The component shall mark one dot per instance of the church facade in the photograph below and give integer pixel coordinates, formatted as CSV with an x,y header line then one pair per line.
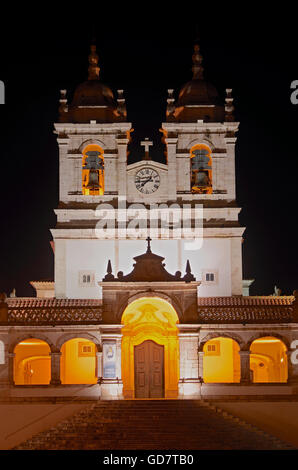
x,y
148,298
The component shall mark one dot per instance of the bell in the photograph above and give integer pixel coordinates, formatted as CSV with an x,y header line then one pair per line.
x,y
93,182
201,179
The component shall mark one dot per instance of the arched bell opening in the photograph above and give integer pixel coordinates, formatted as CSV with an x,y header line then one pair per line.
x,y
93,170
201,169
78,362
32,362
268,360
221,361
150,349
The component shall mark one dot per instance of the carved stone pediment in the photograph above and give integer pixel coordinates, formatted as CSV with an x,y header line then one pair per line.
x,y
149,267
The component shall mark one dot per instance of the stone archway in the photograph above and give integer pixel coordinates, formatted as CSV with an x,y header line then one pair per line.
x,y
32,362
268,360
221,361
150,319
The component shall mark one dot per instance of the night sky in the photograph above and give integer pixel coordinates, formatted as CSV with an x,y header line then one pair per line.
x,y
256,58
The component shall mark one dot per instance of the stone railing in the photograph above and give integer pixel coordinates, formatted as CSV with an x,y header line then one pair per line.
x,y
54,315
248,314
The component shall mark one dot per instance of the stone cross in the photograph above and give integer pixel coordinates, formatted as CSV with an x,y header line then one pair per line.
x,y
146,143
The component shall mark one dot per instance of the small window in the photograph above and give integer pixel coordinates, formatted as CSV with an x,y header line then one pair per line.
x,y
86,349
86,279
209,276
213,348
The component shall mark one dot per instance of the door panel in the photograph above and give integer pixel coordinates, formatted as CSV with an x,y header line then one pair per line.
x,y
149,370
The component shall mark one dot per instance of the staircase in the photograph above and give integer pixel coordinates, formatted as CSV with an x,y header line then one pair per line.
x,y
154,425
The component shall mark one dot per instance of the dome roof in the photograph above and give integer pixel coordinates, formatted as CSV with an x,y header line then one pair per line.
x,y
93,93
198,92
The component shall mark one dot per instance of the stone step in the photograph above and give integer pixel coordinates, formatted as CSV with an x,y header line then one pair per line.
x,y
152,424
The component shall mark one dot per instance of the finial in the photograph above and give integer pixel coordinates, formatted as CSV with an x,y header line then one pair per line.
x,y
188,277
109,276
13,293
197,60
229,108
148,239
121,108
93,70
63,108
170,101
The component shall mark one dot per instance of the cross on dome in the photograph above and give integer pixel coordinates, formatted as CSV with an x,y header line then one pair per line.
x,y
146,143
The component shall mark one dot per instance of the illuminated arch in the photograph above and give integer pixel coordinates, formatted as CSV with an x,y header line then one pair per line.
x,y
32,362
221,360
201,169
150,318
93,170
268,360
78,362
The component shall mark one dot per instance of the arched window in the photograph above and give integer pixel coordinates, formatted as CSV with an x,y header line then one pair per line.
x,y
221,361
78,362
201,169
268,360
93,171
32,362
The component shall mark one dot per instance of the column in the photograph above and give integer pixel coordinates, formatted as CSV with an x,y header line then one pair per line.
x,y
99,366
201,364
189,384
245,367
55,368
10,377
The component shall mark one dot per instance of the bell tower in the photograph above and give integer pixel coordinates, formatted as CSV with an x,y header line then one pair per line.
x,y
92,135
200,134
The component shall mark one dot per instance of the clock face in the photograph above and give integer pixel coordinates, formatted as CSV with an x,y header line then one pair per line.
x,y
147,180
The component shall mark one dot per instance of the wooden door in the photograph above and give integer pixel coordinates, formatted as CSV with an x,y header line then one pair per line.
x,y
149,370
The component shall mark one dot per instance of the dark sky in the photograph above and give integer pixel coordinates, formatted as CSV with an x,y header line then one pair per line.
x,y
255,56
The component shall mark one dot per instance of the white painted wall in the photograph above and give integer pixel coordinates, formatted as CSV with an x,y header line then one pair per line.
x,y
93,255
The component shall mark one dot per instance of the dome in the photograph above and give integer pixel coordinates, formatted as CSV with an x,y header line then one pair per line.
x,y
93,93
198,92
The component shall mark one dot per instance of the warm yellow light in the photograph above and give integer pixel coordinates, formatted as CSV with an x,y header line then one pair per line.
x,y
221,361
271,352
77,366
85,173
150,318
32,362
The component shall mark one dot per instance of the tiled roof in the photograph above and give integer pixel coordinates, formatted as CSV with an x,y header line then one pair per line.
x,y
259,309
246,301
35,302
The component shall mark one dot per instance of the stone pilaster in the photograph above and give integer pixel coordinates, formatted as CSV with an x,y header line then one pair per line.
x,y
122,163
245,367
10,377
189,383
172,168
99,366
55,368
201,364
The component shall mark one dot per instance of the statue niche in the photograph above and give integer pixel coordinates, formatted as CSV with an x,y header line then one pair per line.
x,y
201,170
93,173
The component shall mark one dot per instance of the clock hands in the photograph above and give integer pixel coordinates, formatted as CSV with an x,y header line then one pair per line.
x,y
142,182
